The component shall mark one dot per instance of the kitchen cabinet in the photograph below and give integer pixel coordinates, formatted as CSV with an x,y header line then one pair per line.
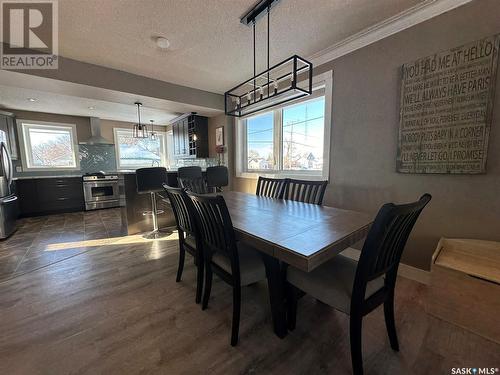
x,y
190,136
41,196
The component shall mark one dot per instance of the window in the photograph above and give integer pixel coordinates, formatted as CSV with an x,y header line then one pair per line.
x,y
133,153
292,140
48,146
303,135
260,132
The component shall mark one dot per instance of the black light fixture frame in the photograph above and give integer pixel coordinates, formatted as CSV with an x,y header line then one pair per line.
x,y
305,72
140,130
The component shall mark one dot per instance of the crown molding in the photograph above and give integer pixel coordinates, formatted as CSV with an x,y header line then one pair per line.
x,y
390,26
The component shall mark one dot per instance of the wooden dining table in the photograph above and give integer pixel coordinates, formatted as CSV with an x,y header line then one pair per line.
x,y
289,233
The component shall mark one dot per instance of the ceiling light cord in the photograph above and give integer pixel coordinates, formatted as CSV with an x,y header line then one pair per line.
x,y
254,63
268,38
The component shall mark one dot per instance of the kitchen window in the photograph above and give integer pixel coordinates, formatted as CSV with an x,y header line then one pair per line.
x,y
288,141
48,146
133,153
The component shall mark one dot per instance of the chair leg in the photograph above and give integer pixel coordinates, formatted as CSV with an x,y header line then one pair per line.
x,y
291,302
356,348
390,323
199,278
182,254
236,314
208,284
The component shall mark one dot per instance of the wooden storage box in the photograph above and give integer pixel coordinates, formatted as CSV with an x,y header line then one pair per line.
x,y
465,285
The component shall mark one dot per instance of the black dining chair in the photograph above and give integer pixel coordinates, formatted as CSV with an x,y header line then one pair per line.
x,y
217,177
305,191
357,288
235,263
196,185
271,187
189,235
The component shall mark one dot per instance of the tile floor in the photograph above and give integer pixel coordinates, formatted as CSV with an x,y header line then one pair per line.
x,y
40,241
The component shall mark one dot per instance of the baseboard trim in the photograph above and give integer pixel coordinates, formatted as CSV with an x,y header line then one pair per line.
x,y
416,274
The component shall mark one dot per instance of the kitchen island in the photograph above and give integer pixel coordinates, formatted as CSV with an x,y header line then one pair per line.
x,y
136,208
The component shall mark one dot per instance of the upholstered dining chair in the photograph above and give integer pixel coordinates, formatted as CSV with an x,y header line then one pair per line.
x,y
235,263
271,187
189,236
305,191
357,288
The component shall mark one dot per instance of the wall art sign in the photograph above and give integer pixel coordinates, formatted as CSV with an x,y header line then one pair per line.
x,y
219,136
446,110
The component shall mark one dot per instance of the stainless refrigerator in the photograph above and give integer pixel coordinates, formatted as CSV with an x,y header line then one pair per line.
x,y
8,200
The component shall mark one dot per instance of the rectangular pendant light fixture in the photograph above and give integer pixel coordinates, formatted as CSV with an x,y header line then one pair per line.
x,y
288,80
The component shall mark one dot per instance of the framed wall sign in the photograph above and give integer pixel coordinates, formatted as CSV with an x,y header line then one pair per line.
x,y
446,110
219,136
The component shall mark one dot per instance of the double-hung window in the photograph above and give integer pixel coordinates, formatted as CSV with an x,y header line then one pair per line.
x,y
292,140
48,146
133,153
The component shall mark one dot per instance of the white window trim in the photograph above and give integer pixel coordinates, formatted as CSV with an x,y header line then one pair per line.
x,y
24,143
133,167
320,80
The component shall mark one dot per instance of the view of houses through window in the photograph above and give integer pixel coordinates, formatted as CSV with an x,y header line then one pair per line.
x,y
49,146
300,131
138,152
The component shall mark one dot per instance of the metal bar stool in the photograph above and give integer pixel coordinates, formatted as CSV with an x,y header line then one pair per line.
x,y
150,181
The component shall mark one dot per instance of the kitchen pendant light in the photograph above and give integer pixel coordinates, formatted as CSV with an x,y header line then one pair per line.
x,y
288,80
154,136
140,130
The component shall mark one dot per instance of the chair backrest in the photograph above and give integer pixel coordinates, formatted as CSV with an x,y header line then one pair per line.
x,y
305,191
216,227
271,187
183,208
386,241
150,179
217,176
189,172
195,185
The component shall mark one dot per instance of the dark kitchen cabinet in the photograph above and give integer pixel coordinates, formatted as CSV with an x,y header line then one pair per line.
x,y
190,136
42,196
7,132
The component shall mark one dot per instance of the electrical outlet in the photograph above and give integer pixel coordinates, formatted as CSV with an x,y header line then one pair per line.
x,y
19,168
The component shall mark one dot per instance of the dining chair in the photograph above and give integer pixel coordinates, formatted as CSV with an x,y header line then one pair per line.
x,y
271,187
357,288
196,184
305,191
235,263
189,236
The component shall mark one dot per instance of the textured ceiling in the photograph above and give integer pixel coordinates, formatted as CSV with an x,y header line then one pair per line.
x,y
210,49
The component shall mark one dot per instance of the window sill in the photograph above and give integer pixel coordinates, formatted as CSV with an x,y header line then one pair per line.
x,y
282,174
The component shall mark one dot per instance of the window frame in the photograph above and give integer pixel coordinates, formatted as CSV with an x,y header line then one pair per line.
x,y
25,144
320,81
163,146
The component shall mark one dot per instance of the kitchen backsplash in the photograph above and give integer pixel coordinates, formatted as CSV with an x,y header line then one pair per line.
x,y
95,158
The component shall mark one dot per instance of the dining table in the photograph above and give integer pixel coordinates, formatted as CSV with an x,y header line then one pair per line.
x,y
290,233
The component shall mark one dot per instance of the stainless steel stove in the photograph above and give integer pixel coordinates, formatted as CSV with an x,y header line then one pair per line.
x,y
101,190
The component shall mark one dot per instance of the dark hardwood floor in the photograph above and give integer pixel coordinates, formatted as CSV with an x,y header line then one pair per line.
x,y
113,307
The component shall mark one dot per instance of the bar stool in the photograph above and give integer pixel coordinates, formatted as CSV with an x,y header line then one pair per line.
x,y
189,172
217,177
150,181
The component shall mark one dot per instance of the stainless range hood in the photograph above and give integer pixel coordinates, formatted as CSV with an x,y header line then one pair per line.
x,y
95,131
